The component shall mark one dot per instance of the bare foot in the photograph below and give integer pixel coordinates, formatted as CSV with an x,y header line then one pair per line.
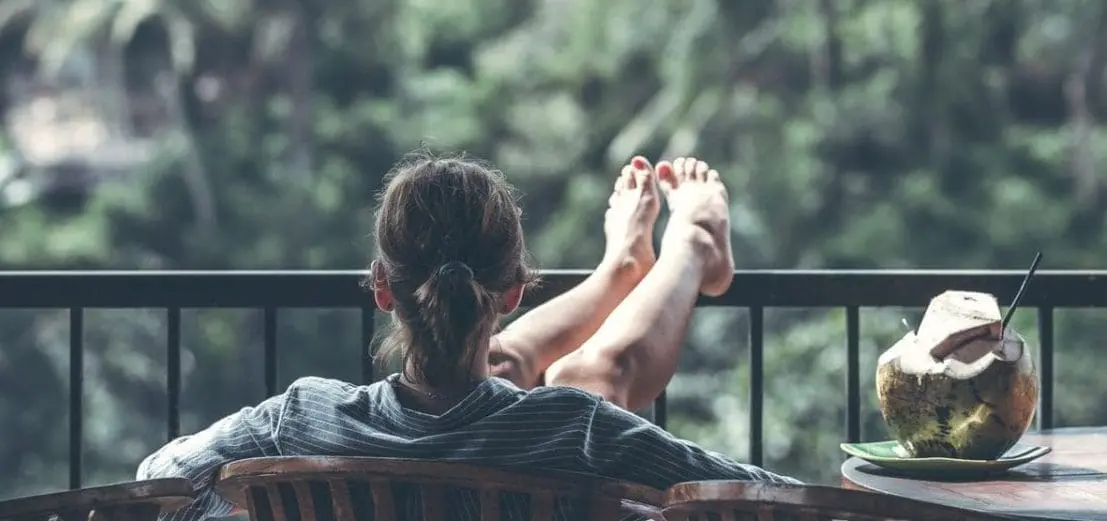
x,y
701,213
628,223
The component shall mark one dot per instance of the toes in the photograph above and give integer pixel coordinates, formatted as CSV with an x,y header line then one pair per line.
x,y
626,179
678,168
694,169
642,180
714,177
667,177
701,171
689,167
643,174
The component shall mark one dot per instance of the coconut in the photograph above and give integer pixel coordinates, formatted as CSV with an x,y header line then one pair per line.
x,y
959,386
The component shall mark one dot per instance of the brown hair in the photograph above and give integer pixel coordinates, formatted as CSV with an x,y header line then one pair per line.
x,y
450,242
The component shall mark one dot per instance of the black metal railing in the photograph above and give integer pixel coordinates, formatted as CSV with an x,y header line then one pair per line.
x,y
271,291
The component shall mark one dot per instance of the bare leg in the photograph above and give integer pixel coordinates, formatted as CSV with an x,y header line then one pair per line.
x,y
523,351
633,355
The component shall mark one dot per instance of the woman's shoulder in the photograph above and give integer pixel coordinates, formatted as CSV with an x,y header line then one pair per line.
x,y
324,385
562,394
319,390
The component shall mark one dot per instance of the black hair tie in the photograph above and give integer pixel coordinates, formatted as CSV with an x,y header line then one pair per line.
x,y
456,269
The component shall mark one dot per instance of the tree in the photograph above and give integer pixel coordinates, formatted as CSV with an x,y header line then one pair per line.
x,y
860,134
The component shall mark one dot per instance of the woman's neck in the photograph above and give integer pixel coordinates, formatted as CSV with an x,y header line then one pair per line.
x,y
414,393
478,372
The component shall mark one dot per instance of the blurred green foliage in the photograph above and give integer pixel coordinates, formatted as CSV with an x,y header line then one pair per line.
x,y
852,134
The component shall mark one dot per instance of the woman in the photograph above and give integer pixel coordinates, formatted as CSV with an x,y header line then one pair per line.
x,y
451,262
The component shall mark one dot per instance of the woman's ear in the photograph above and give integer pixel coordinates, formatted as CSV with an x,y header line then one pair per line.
x,y
382,294
512,299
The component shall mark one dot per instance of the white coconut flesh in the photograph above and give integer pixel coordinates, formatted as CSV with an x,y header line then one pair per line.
x,y
912,356
958,337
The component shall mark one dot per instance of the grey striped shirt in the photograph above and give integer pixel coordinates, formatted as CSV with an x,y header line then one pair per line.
x,y
498,424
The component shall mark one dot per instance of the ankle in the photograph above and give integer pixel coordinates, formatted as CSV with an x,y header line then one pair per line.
x,y
622,270
689,237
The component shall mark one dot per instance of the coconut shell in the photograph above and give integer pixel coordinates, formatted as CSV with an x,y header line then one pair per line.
x,y
973,403
937,415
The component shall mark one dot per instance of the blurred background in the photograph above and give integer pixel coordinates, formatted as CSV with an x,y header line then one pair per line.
x,y
248,134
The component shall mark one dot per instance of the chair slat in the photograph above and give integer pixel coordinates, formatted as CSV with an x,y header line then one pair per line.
x,y
276,505
490,505
340,499
107,513
434,502
75,514
542,506
251,505
384,504
812,514
304,500
125,512
600,509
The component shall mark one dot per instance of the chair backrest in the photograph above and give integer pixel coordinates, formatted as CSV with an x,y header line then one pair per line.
x,y
135,501
737,501
327,488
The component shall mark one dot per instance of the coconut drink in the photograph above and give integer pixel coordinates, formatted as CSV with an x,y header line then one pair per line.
x,y
960,386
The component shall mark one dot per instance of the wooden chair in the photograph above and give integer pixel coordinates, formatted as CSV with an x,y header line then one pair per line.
x,y
740,501
136,501
384,489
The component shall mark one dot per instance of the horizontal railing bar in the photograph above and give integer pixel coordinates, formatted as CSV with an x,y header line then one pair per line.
x,y
341,289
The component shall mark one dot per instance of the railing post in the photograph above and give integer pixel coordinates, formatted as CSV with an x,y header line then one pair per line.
x,y
661,410
1045,367
76,395
270,340
173,371
367,331
757,385
853,374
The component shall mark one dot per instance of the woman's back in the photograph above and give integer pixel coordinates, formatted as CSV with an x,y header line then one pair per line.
x,y
497,424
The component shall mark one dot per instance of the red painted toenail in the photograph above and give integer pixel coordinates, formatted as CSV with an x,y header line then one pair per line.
x,y
639,163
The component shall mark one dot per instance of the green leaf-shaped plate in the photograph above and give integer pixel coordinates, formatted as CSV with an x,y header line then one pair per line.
x,y
890,455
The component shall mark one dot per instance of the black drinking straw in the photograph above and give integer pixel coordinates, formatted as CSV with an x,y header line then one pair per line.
x,y
1022,289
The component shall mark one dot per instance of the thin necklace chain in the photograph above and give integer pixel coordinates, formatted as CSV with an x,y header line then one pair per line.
x,y
402,380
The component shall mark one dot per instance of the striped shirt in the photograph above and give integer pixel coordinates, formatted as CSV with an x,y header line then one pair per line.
x,y
497,424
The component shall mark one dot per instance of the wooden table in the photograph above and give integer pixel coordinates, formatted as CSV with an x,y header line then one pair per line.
x,y
1067,484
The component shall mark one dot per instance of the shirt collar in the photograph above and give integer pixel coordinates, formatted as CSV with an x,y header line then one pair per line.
x,y
488,397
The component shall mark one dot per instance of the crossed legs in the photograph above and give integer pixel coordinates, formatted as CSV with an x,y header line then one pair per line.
x,y
619,333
